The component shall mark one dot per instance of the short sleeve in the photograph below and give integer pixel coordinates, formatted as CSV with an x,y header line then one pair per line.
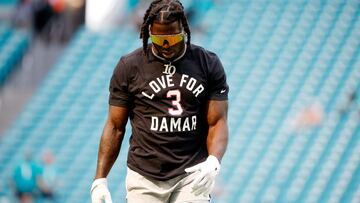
x,y
218,87
118,88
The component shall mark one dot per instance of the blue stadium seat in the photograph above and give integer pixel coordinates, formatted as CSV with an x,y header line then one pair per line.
x,y
13,44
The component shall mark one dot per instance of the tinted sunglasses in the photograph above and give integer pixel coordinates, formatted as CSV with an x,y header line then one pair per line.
x,y
171,40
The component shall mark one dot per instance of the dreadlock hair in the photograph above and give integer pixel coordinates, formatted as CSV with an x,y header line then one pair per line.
x,y
163,11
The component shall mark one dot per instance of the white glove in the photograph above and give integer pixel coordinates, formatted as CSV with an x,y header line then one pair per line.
x,y
205,179
100,192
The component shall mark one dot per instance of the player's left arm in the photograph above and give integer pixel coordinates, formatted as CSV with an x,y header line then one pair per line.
x,y
216,142
217,138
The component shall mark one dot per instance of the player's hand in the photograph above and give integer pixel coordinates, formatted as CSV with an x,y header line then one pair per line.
x,y
100,192
206,174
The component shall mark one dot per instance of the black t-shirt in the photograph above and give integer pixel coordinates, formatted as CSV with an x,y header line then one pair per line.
x,y
167,105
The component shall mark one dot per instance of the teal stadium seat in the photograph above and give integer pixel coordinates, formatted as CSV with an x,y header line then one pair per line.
x,y
8,2
13,44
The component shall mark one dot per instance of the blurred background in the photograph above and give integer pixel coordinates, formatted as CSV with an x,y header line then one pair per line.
x,y
294,73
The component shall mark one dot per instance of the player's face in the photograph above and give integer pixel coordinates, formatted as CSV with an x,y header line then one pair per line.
x,y
168,39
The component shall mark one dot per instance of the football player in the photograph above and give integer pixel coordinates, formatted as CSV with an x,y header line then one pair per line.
x,y
175,96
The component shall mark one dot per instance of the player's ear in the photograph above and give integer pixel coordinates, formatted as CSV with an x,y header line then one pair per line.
x,y
185,36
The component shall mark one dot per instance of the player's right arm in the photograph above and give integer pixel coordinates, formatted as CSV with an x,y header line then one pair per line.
x,y
109,149
111,140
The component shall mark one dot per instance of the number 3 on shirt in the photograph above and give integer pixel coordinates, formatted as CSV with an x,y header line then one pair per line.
x,y
178,110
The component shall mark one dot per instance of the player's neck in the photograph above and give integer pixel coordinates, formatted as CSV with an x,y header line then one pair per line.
x,y
168,60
